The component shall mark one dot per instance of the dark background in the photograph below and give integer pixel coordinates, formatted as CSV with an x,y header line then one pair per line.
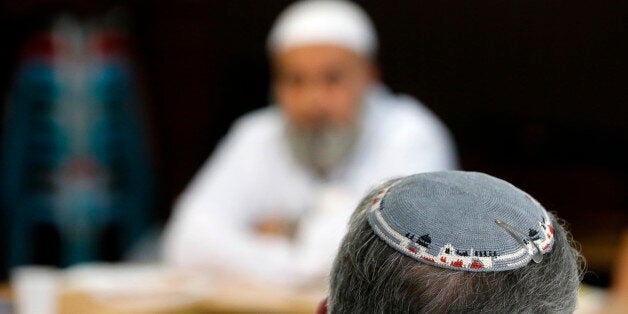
x,y
533,91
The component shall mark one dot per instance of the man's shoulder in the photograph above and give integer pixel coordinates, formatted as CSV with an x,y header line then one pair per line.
x,y
263,122
406,112
254,132
268,116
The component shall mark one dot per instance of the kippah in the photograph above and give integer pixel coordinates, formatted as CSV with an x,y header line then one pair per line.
x,y
462,220
339,23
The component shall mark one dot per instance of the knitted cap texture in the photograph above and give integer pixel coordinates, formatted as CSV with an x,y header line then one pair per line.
x,y
461,220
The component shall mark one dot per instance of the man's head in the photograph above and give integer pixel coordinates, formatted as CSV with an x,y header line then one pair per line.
x,y
453,242
322,57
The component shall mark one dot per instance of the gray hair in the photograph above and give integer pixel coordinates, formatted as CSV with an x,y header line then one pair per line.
x,y
368,276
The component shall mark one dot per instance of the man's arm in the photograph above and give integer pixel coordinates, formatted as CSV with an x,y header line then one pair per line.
x,y
211,227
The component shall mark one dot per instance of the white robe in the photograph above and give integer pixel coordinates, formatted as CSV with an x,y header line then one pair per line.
x,y
253,174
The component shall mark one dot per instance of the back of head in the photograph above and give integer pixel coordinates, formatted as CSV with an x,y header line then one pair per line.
x,y
453,242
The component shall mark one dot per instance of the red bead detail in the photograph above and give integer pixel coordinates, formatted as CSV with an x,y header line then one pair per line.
x,y
412,249
427,259
457,263
477,264
443,259
551,229
545,247
375,200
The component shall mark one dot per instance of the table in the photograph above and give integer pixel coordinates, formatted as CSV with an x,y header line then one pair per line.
x,y
152,289
228,300
233,299
5,291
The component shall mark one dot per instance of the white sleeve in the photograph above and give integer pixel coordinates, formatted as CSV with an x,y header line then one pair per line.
x,y
209,227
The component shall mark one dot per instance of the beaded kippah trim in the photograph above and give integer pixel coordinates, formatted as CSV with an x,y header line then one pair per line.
x,y
492,239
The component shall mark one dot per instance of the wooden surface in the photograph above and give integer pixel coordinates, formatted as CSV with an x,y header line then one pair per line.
x,y
237,300
225,299
71,302
234,299
229,300
5,291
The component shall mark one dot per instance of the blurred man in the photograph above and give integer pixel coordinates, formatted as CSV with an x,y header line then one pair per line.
x,y
275,197
453,242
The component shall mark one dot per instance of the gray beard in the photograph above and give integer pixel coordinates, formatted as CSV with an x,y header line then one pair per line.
x,y
323,149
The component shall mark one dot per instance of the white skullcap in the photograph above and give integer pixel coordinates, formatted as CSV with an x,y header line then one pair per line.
x,y
339,23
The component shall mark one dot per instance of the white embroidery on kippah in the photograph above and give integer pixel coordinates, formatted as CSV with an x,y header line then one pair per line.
x,y
448,256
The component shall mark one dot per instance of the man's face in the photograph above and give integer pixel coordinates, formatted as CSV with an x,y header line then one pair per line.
x,y
321,86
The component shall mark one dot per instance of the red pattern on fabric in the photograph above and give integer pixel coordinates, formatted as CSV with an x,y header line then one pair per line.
x,y
110,43
42,45
477,264
427,259
457,263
